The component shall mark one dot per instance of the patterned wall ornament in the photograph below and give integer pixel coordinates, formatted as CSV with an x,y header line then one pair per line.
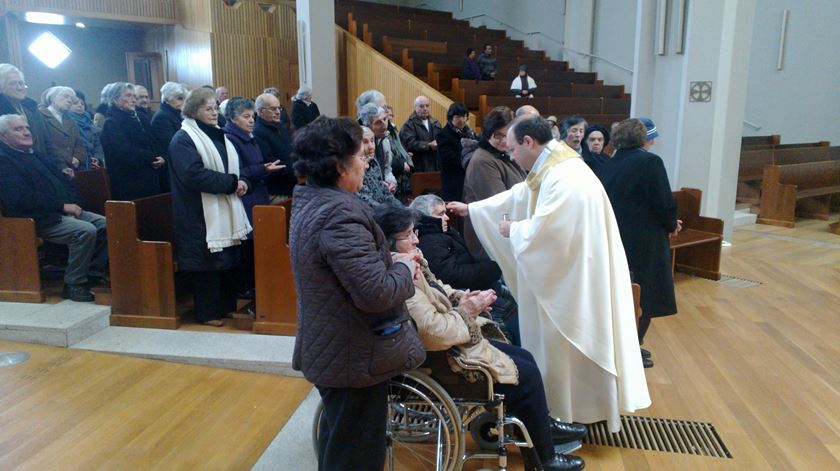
x,y
700,91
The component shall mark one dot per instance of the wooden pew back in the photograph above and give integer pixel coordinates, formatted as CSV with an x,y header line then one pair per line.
x,y
696,249
772,139
276,300
425,182
95,189
20,278
799,155
811,175
751,167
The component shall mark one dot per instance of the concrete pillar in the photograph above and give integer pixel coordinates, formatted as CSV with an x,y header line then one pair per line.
x,y
699,141
316,52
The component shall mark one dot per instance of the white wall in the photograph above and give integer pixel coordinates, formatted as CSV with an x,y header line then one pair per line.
x,y
801,102
613,34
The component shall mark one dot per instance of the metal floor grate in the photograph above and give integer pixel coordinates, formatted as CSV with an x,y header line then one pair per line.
x,y
735,282
654,434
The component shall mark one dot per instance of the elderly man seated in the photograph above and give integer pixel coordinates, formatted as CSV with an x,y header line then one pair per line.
x,y
449,258
31,187
449,318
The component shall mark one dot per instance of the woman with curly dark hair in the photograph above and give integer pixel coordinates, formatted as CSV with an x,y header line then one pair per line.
x,y
353,329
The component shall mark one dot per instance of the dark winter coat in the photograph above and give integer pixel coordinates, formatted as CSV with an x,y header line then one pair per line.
x,y
32,187
165,123
594,161
347,289
130,147
416,138
452,173
450,259
303,114
471,70
646,212
65,137
275,144
41,143
189,179
251,166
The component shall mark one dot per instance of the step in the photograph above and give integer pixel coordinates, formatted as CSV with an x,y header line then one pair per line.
x,y
292,448
60,325
271,354
743,217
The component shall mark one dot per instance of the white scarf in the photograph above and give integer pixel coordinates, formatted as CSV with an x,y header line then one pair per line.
x,y
224,215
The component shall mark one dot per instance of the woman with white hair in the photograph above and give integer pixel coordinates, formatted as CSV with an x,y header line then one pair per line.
x,y
304,110
167,120
61,128
13,100
135,159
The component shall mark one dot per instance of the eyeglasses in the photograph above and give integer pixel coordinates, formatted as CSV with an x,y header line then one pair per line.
x,y
415,234
17,84
498,136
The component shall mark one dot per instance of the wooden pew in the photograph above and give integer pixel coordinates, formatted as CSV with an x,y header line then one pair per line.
x,y
440,76
559,106
95,189
276,301
20,280
425,182
772,139
750,173
804,189
140,237
696,249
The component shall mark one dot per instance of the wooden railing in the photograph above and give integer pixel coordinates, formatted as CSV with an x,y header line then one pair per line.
x,y
362,67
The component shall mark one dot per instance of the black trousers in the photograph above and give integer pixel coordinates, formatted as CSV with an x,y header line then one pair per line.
x,y
526,400
214,294
352,428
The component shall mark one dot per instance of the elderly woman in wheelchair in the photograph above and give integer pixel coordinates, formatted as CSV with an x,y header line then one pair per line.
x,y
451,319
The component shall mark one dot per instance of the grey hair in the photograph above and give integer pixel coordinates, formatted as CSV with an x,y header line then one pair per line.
x,y
6,122
173,90
105,93
369,96
236,105
138,85
426,203
303,92
272,91
369,112
6,70
115,92
52,92
366,130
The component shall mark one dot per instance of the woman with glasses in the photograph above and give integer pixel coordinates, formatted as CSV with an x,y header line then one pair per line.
x,y
374,188
13,100
450,145
491,170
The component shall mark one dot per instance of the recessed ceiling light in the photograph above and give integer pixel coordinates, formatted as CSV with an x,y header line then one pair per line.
x,y
43,18
79,24
49,50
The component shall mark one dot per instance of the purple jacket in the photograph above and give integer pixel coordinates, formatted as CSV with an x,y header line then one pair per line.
x,y
250,166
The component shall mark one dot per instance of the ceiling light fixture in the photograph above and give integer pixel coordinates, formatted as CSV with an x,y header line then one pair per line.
x,y
49,50
43,18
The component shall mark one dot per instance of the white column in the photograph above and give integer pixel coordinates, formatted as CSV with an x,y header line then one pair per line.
x,y
578,23
699,141
316,52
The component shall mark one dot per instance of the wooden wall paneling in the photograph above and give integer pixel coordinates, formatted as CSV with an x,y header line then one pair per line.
x,y
186,54
145,11
366,68
195,14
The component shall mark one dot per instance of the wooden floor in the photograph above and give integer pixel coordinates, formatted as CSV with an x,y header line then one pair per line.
x,y
760,363
76,410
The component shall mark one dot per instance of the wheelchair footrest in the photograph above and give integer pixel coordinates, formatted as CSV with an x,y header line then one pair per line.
x,y
566,448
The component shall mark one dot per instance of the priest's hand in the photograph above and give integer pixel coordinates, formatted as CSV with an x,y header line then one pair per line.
x,y
456,207
504,228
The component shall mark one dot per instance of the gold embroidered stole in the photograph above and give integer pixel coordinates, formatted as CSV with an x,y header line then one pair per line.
x,y
560,154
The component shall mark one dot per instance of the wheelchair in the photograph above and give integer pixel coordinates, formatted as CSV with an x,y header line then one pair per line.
x,y
432,409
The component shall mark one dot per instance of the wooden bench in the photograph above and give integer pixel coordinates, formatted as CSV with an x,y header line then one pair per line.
x,y
804,189
696,249
95,189
559,106
276,301
140,238
425,182
20,280
752,163
772,139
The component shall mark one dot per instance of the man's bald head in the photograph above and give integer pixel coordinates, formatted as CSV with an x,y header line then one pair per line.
x,y
268,108
422,107
527,110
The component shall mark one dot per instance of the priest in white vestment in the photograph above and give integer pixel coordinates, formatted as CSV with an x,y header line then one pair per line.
x,y
557,242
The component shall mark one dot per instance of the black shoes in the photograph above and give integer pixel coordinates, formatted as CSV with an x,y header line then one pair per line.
x,y
645,353
561,432
646,361
564,463
78,293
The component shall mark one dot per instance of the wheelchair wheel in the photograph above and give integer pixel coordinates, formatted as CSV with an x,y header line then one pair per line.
x,y
316,425
483,431
424,426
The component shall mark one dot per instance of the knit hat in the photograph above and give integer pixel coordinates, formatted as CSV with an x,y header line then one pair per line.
x,y
597,127
651,129
553,119
523,67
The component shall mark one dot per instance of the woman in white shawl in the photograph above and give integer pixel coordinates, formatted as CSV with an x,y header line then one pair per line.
x,y
210,220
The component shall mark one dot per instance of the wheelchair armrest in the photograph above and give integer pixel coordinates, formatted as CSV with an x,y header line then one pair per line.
x,y
488,377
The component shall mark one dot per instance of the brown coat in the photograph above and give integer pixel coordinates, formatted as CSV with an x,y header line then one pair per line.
x,y
443,325
65,137
489,173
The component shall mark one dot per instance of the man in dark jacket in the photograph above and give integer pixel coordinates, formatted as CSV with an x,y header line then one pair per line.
x,y
275,144
135,159
13,100
418,136
452,170
33,188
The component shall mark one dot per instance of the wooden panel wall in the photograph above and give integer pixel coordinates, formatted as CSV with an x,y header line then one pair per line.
x,y
146,11
186,53
254,49
195,14
366,68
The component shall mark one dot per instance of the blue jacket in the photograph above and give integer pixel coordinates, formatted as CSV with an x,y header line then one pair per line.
x,y
251,166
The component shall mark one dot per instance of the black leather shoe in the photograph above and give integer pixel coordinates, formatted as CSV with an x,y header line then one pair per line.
x,y
645,353
561,432
647,362
77,293
564,463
